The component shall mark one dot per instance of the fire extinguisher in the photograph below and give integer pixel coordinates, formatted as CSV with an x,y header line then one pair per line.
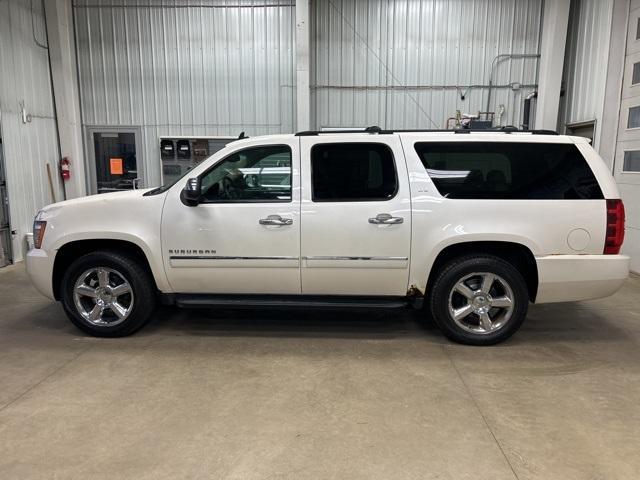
x,y
64,169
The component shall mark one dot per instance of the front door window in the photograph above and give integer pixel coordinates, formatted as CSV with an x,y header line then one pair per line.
x,y
257,174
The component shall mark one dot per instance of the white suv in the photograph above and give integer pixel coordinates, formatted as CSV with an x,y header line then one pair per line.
x,y
471,226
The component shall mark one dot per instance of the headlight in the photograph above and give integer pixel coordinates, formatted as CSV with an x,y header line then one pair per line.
x,y
38,232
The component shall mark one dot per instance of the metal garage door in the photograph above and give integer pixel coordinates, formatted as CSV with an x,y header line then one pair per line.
x,y
627,161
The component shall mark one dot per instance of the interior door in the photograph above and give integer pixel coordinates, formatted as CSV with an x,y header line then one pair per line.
x,y
355,216
244,237
116,162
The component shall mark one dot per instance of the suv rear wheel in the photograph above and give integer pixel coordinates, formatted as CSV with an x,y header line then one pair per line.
x,y
108,294
479,300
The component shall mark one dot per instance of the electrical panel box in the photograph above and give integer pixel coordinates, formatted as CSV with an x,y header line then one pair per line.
x,y
180,154
184,149
167,149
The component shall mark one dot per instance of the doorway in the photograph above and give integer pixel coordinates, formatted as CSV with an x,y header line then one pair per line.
x,y
5,228
115,159
582,129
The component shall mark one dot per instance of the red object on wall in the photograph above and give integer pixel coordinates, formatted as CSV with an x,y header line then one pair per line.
x,y
64,169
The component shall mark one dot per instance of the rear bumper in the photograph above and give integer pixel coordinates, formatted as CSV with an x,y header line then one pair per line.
x,y
567,278
40,270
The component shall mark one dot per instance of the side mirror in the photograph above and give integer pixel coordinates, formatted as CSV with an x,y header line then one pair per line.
x,y
192,192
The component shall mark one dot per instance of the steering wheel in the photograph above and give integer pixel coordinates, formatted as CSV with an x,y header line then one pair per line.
x,y
234,186
228,190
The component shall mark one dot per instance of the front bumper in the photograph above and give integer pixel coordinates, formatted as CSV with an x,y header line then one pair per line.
x,y
567,278
40,270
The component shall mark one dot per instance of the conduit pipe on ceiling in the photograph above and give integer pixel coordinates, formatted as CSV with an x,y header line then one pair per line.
x,y
499,58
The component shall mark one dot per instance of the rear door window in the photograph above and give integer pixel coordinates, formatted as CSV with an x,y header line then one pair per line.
x,y
352,172
508,170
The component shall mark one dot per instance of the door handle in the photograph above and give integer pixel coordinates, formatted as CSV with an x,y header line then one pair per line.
x,y
275,220
385,219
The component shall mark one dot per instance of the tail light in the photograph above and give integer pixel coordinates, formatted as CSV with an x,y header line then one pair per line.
x,y
615,227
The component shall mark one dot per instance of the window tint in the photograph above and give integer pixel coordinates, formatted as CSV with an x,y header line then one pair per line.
x,y
508,170
631,161
351,172
635,78
259,174
634,117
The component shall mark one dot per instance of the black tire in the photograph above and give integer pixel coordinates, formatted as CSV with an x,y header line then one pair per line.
x,y
507,319
142,299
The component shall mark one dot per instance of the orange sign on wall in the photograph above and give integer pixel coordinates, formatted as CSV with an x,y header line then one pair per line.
x,y
116,166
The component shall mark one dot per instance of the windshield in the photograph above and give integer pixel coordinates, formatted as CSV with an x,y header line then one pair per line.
x,y
166,187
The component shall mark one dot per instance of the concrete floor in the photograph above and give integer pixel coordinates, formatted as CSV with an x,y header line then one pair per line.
x,y
305,395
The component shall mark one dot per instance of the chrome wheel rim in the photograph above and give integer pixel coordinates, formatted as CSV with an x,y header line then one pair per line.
x,y
481,303
103,297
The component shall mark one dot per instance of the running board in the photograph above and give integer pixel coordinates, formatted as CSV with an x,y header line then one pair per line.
x,y
283,301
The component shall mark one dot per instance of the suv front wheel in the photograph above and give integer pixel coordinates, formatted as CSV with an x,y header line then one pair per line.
x,y
479,300
108,294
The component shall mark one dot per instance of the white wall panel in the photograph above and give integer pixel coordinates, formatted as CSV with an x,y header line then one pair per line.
x,y
586,61
404,63
28,147
180,67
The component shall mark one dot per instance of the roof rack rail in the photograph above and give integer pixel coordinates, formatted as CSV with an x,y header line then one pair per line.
x,y
374,129
542,132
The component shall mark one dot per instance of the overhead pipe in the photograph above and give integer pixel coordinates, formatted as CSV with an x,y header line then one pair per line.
x,y
527,109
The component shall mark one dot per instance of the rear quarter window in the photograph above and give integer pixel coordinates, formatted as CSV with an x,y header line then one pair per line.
x,y
509,170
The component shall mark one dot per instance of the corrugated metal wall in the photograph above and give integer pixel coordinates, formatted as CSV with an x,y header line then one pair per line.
x,y
405,63
186,68
182,67
586,61
25,81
